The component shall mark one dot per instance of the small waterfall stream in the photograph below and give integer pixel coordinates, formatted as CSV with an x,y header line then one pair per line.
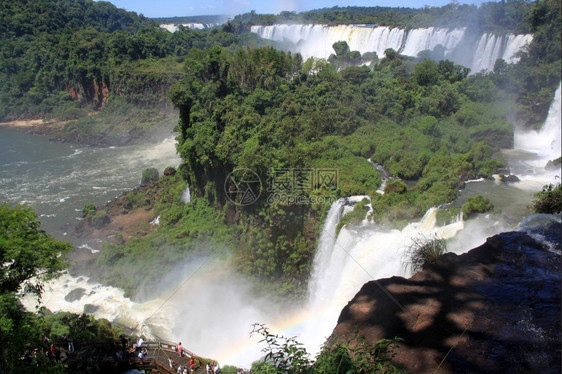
x,y
545,143
186,195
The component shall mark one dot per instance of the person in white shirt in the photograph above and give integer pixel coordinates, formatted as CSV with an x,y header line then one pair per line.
x,y
140,341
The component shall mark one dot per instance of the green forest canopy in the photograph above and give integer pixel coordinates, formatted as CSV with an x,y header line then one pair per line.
x,y
261,109
424,121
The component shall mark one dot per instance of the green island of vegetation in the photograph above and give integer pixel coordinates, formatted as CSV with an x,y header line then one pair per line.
x,y
109,75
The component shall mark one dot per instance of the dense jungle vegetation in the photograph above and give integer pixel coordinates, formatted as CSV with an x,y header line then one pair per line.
x,y
426,122
66,60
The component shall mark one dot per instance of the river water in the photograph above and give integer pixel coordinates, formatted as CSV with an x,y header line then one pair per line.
x,y
57,180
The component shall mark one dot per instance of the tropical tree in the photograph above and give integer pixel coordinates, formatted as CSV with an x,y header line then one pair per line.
x,y
28,256
549,200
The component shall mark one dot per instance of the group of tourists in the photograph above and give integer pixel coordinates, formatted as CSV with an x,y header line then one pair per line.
x,y
55,351
126,351
187,368
184,369
213,367
131,352
136,350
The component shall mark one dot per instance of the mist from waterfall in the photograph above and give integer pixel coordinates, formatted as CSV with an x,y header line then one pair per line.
x,y
457,44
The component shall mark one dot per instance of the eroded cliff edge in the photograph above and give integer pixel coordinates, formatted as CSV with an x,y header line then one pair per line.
x,y
493,309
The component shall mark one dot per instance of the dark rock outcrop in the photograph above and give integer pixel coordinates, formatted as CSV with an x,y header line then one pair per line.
x,y
493,309
510,179
75,294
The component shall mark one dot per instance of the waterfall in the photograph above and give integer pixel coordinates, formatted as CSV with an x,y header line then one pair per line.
x,y
325,243
514,44
428,39
365,252
317,40
188,305
458,46
545,143
171,27
491,47
186,195
359,253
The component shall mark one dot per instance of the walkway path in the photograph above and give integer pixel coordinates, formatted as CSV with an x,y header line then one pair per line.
x,y
163,352
160,355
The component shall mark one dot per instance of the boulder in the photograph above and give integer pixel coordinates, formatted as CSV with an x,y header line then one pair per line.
x,y
510,178
495,307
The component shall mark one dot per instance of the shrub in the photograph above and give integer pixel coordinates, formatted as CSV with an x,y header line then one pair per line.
x,y
229,369
94,217
476,204
424,251
149,175
169,171
377,357
334,360
358,356
89,210
286,354
395,186
549,200
119,238
355,216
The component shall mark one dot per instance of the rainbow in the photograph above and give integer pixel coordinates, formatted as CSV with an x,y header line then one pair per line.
x,y
299,324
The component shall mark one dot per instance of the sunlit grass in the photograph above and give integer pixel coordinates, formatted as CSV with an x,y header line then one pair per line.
x,y
424,251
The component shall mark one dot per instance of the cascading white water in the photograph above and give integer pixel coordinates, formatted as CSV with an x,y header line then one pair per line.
x,y
490,47
545,143
202,303
419,40
317,40
514,44
78,295
171,27
186,195
359,254
325,243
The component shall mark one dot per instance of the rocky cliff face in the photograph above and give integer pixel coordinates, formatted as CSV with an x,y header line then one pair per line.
x,y
493,309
